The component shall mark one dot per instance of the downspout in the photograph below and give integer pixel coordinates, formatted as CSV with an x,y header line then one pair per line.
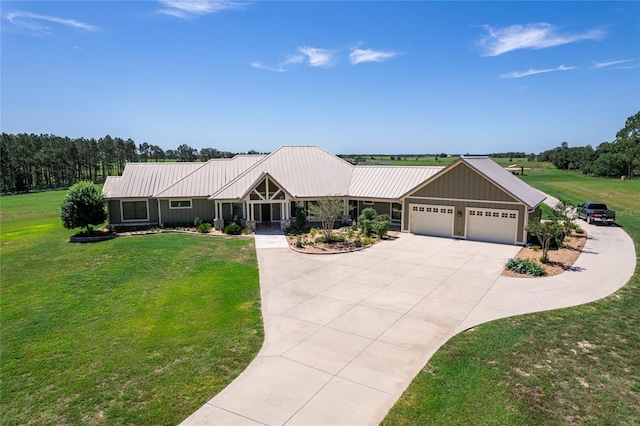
x,y
159,213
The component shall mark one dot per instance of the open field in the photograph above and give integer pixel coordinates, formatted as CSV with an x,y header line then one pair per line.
x,y
139,330
571,366
385,160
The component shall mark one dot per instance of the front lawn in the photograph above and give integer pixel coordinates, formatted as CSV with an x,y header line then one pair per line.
x,y
571,366
136,330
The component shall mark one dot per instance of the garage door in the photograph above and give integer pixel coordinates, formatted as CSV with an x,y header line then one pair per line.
x,y
431,220
492,225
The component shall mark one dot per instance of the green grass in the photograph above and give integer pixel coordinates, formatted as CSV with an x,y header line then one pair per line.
x,y
571,366
445,161
138,330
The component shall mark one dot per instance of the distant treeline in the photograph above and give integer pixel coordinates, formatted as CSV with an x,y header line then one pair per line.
x,y
609,159
30,162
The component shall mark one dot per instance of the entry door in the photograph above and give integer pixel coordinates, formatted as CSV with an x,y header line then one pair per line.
x,y
266,212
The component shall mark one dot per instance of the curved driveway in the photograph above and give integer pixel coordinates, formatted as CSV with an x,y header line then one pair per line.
x,y
346,334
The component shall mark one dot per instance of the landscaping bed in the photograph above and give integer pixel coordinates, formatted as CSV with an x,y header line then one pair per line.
x,y
560,260
345,240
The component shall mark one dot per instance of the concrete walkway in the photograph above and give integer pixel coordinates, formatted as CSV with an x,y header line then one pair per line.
x,y
346,334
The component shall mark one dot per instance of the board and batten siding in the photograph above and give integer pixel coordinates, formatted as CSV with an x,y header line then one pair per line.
x,y
202,208
462,182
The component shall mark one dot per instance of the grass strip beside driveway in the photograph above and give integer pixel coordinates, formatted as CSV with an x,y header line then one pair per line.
x,y
140,330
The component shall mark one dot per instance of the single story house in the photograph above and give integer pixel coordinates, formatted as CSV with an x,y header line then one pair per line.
x,y
473,198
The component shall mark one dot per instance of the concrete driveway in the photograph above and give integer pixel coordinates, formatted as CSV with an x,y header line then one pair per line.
x,y
346,334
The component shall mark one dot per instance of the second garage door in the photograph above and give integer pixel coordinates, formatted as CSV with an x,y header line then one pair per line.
x,y
431,220
492,225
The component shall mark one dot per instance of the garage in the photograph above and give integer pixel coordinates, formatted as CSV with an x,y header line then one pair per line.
x,y
492,225
431,220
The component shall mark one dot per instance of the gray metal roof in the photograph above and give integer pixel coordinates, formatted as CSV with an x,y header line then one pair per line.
x,y
303,171
388,181
505,180
144,180
211,177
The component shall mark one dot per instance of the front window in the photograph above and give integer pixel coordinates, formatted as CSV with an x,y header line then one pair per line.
x,y
396,211
180,204
134,210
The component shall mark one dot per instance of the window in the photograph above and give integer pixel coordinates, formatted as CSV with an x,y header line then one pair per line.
x,y
449,211
415,209
396,211
429,209
179,204
367,203
512,215
237,209
479,213
505,215
472,212
496,214
134,210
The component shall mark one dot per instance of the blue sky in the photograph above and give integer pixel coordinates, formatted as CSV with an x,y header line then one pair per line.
x,y
352,77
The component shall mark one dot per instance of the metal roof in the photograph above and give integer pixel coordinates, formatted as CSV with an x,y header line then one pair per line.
x,y
505,180
303,171
388,181
211,177
144,180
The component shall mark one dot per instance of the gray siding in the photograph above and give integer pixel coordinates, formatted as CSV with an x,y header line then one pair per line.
x,y
379,207
201,208
115,217
464,183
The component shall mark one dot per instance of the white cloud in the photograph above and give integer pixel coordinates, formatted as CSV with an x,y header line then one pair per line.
x,y
611,63
34,22
318,57
531,36
259,65
358,56
519,74
188,8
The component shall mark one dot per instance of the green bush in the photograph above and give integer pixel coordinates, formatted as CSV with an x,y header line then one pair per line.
x,y
232,229
83,207
301,219
526,267
197,222
247,231
204,228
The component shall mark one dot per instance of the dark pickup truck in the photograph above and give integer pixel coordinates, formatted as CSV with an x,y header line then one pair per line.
x,y
592,212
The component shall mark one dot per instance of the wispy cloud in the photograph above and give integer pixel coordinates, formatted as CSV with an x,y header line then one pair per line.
x,y
498,41
188,8
326,58
318,57
358,56
38,23
597,65
519,74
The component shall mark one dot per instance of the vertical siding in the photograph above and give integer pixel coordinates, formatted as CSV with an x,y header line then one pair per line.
x,y
465,183
201,208
379,207
114,212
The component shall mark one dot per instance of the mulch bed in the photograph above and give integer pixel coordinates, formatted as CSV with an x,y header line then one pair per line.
x,y
559,260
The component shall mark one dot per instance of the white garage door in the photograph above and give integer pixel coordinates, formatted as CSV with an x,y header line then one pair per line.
x,y
431,220
492,225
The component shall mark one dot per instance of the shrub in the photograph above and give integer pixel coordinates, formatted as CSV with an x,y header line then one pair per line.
x,y
381,225
526,267
247,231
204,228
237,220
232,229
197,222
301,219
83,207
367,241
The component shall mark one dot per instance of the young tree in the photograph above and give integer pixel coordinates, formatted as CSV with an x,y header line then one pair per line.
x,y
546,232
326,210
83,207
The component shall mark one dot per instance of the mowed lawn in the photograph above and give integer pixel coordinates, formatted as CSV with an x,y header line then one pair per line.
x,y
572,366
136,330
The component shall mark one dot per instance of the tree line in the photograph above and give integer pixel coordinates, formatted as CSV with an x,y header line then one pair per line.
x,y
31,162
620,157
